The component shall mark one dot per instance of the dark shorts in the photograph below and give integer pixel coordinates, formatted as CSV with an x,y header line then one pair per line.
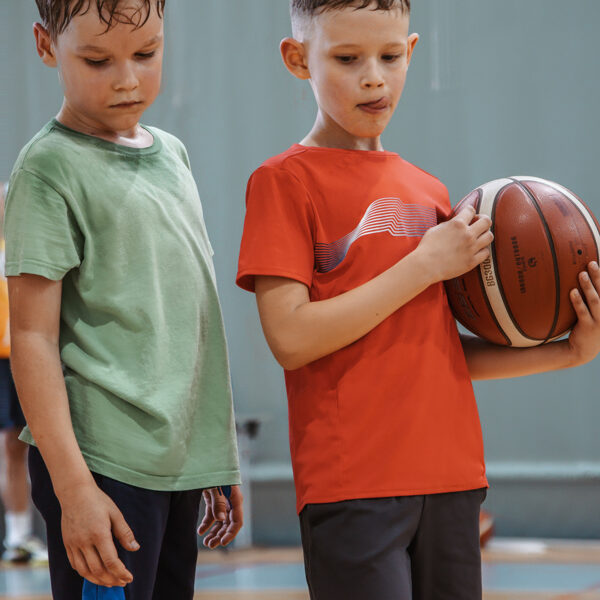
x,y
164,524
403,548
11,415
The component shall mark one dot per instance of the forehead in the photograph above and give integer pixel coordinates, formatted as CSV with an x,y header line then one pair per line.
x,y
127,27
349,25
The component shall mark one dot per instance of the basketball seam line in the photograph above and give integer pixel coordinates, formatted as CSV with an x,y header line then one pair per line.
x,y
509,312
551,333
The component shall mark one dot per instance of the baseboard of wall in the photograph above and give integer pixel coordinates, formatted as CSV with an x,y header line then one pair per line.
x,y
549,500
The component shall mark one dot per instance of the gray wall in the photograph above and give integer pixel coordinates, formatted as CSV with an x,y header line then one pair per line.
x,y
495,89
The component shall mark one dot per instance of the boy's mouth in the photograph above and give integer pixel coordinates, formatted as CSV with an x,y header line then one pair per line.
x,y
128,104
376,106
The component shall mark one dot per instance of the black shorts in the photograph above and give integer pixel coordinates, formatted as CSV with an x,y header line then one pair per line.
x,y
164,524
403,548
11,415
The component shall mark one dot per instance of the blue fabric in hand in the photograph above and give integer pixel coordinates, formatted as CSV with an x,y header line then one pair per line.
x,y
91,591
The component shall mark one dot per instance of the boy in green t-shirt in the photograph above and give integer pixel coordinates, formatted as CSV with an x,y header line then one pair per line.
x,y
343,247
118,345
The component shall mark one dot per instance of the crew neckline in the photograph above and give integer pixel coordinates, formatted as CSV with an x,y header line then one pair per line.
x,y
375,153
114,147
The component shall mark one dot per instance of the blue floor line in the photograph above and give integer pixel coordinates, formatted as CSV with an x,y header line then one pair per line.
x,y
561,578
280,576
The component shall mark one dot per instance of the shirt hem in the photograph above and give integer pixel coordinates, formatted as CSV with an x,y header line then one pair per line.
x,y
391,493
161,483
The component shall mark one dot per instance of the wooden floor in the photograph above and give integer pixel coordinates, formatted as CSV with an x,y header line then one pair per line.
x,y
499,553
271,595
537,552
301,596
291,595
517,551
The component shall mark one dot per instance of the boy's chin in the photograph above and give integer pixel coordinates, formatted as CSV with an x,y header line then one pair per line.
x,y
365,131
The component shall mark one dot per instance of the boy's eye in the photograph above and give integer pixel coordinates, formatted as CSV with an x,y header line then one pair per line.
x,y
345,59
96,63
144,55
391,57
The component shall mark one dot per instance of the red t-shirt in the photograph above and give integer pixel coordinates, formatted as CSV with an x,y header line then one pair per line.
x,y
392,414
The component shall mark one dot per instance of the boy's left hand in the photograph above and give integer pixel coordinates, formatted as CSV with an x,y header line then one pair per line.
x,y
226,517
584,340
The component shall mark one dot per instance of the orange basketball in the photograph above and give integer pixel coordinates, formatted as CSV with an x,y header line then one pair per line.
x,y
544,236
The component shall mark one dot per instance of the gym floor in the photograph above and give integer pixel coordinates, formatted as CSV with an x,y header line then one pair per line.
x,y
513,570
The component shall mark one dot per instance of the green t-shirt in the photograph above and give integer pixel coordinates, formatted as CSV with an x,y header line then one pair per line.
x,y
141,333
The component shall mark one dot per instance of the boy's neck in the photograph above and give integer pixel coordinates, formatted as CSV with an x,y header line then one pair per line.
x,y
134,137
330,135
369,144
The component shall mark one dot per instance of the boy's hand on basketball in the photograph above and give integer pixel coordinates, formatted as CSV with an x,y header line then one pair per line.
x,y
226,517
90,519
456,246
584,340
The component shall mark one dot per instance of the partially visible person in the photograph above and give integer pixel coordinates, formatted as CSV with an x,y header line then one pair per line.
x,y
20,545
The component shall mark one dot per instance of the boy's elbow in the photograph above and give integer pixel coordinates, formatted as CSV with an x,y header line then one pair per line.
x,y
289,356
291,363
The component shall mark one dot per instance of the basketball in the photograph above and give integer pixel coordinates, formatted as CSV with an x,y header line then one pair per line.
x,y
544,236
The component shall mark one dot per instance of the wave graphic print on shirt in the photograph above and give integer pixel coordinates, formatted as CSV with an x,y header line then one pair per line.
x,y
385,215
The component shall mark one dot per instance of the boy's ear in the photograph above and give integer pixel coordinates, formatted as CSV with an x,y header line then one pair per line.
x,y
413,38
43,45
293,53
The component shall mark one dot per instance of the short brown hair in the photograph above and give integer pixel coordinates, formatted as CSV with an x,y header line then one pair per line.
x,y
57,14
312,7
301,11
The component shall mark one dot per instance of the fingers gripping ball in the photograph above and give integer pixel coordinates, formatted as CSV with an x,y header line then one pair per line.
x,y
544,236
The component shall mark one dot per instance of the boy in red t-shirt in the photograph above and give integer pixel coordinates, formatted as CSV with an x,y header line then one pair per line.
x,y
346,246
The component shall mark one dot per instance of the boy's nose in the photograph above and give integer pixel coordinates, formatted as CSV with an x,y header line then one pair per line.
x,y
371,78
126,78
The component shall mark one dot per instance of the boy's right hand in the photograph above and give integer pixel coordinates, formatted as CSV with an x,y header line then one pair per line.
x,y
90,519
456,246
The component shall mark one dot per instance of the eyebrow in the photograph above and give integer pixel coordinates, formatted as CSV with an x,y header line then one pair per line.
x,y
344,46
351,46
92,48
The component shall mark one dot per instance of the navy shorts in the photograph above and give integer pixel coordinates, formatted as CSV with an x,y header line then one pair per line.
x,y
11,415
164,524
411,547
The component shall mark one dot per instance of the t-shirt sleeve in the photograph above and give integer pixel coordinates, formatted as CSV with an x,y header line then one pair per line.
x,y
278,229
42,237
446,207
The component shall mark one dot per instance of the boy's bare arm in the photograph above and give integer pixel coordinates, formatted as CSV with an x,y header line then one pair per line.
x,y
88,515
2,200
489,361
300,331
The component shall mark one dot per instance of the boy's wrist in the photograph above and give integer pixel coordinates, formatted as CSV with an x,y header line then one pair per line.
x,y
574,355
424,270
69,475
66,491
566,355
